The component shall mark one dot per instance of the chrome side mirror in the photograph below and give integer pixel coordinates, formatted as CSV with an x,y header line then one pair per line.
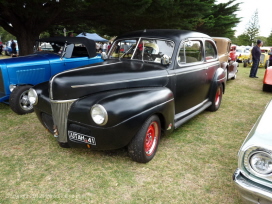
x,y
165,60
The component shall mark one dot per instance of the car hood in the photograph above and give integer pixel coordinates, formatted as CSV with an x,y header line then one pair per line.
x,y
109,75
260,134
34,59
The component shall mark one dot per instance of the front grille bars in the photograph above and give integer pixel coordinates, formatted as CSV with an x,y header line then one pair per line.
x,y
60,111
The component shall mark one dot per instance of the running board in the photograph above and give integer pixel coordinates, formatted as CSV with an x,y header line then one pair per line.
x,y
185,119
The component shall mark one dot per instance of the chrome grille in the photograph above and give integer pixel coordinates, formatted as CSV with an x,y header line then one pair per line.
x,y
2,90
262,58
60,110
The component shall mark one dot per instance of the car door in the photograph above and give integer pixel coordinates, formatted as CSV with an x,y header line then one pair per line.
x,y
190,76
211,61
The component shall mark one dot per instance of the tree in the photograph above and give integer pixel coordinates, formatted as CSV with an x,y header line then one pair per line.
x,y
242,40
269,39
221,20
253,27
27,19
5,36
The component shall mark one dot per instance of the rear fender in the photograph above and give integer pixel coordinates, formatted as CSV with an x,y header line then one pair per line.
x,y
219,77
268,76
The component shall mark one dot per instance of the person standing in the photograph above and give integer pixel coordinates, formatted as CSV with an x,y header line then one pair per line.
x,y
1,48
13,48
256,54
104,47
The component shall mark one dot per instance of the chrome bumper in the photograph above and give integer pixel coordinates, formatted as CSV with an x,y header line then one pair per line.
x,y
252,192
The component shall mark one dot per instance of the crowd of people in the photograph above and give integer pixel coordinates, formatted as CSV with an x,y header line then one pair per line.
x,y
102,46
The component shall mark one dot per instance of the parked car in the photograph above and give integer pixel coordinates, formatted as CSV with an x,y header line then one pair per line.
x,y
264,59
18,74
165,78
233,52
224,53
267,81
243,55
7,48
253,177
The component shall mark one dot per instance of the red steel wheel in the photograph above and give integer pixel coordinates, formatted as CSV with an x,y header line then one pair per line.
x,y
144,145
151,138
217,98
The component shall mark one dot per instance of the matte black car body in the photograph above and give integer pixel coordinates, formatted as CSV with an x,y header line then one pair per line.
x,y
134,92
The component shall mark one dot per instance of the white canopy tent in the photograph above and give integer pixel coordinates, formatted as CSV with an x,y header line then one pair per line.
x,y
93,36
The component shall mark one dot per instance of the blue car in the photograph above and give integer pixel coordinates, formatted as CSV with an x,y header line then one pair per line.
x,y
52,55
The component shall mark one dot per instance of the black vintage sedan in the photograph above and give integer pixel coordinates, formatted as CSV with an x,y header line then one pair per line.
x,y
151,82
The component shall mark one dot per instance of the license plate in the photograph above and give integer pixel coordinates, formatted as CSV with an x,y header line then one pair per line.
x,y
78,137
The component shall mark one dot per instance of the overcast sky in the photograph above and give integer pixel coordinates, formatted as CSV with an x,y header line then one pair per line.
x,y
247,9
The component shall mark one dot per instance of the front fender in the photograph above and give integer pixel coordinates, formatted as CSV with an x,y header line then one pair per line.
x,y
126,104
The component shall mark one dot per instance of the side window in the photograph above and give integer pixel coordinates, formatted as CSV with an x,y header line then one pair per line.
x,y
210,51
190,52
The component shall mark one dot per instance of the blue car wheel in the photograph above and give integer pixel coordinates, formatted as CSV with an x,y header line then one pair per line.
x,y
19,101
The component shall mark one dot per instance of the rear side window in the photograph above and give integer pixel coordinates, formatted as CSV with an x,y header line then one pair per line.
x,y
190,52
210,51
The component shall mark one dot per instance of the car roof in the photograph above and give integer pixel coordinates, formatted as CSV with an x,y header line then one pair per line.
x,y
174,34
88,43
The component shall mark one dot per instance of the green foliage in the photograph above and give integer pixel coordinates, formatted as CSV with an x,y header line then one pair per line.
x,y
242,40
5,36
220,20
27,19
269,39
253,27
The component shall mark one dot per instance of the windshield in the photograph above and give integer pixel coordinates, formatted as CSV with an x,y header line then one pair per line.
x,y
49,47
150,50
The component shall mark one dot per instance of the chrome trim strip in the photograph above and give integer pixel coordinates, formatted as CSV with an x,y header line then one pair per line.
x,y
116,82
72,70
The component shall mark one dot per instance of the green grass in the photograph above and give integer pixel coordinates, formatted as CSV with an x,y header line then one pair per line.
x,y
193,165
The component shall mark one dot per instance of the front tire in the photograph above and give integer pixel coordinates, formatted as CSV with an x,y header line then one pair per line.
x,y
144,145
245,63
217,98
266,64
18,100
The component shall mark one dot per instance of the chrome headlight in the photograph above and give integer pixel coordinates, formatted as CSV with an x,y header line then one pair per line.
x,y
12,87
99,114
261,162
258,161
32,96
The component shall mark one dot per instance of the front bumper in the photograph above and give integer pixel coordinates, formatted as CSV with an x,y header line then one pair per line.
x,y
252,192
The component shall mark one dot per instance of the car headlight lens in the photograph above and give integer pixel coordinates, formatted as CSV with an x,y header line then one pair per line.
x,y
32,96
99,114
12,87
261,162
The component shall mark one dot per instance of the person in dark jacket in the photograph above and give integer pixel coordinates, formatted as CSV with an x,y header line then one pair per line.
x,y
256,54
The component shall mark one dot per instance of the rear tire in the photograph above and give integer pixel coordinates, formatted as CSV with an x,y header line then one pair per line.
x,y
266,64
144,145
267,88
217,98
